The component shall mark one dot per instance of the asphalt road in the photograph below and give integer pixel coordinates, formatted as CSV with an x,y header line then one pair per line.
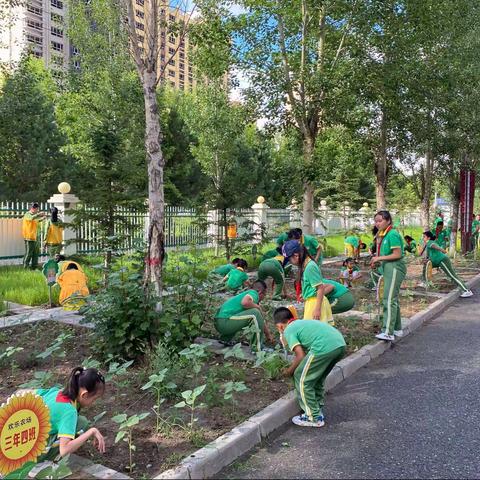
x,y
414,412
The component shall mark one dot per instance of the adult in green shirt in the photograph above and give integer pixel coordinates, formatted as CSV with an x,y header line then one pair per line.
x,y
475,231
340,297
439,259
241,311
390,256
317,347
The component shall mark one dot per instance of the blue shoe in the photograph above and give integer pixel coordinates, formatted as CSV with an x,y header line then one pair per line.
x,y
303,421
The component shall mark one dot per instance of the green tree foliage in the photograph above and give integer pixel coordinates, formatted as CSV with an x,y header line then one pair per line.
x,y
31,164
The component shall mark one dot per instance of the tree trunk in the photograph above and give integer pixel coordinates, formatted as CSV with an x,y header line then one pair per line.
x,y
156,201
381,165
455,216
308,213
426,188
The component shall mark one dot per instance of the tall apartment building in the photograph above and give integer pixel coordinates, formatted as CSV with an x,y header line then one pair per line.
x,y
174,64
37,26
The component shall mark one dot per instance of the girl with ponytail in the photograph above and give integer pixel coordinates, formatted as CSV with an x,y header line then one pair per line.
x,y
69,429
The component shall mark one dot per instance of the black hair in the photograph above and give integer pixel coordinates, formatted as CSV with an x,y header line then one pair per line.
x,y
385,214
429,235
302,256
440,223
235,261
242,263
282,315
71,266
54,214
408,238
35,205
88,378
295,234
347,260
61,258
259,286
279,250
363,246
374,231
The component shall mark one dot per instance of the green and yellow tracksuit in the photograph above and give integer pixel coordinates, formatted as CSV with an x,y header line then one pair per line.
x,y
411,247
222,270
30,236
311,279
340,298
394,273
440,260
273,267
232,317
53,238
236,278
324,346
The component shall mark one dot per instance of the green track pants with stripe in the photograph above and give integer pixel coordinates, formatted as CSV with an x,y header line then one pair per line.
x,y
32,252
270,268
393,276
344,303
449,270
309,379
228,327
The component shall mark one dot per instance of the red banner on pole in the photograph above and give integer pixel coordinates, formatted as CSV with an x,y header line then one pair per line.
x,y
467,194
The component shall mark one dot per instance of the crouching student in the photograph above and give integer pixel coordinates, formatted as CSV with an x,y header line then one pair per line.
x,y
73,284
69,430
410,245
237,278
317,347
241,311
350,272
340,297
223,270
273,267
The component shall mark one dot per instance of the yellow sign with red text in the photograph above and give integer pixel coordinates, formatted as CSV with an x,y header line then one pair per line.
x,y
24,429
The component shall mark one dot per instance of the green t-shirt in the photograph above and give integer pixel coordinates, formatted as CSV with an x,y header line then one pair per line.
x,y
338,289
236,277
311,279
311,244
314,336
433,254
223,269
442,239
436,222
63,413
269,254
411,247
352,240
392,240
233,306
282,238
475,224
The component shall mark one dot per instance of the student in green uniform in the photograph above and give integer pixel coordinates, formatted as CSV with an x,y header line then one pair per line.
x,y
475,231
237,278
241,311
282,238
340,297
349,272
438,218
351,243
441,237
439,259
223,270
317,347
311,244
272,253
30,236
310,278
390,258
69,430
410,245
273,267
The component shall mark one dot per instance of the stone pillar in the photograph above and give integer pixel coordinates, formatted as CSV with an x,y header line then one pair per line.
x,y
66,201
295,215
346,215
321,222
365,215
259,218
213,218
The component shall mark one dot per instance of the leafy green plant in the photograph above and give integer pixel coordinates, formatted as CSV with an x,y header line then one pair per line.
x,y
125,432
9,352
189,403
216,375
232,388
117,369
196,355
234,352
55,350
40,380
273,365
56,471
156,383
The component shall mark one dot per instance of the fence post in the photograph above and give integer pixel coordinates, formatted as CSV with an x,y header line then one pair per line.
x,y
321,223
259,218
295,218
66,201
212,228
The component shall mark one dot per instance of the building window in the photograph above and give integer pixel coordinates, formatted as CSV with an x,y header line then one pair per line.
x,y
171,39
37,54
75,51
76,64
35,25
33,9
171,18
171,73
162,11
182,44
140,2
33,39
182,55
55,17
182,66
57,4
139,26
56,32
172,62
58,47
181,76
139,14
171,50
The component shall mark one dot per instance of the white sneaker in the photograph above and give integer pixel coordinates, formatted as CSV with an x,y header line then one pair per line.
x,y
304,421
385,336
467,294
398,333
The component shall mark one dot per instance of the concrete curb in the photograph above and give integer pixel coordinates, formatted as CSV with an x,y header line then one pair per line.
x,y
215,456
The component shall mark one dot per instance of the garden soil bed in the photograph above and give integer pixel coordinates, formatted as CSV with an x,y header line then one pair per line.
x,y
154,452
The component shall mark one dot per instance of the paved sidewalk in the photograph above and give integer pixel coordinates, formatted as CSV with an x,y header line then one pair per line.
x,y
412,413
